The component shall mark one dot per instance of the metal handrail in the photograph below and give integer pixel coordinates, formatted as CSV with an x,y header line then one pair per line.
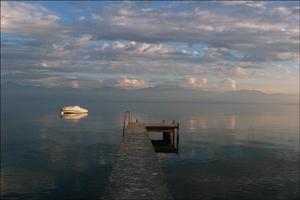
x,y
127,113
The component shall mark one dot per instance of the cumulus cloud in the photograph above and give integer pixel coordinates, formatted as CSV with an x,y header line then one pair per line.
x,y
217,54
197,40
72,82
133,47
223,31
231,83
75,84
80,82
83,40
28,19
195,82
240,71
44,64
225,84
130,83
81,18
236,71
245,3
48,82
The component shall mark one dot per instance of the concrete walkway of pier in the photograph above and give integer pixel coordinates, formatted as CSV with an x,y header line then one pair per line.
x,y
136,173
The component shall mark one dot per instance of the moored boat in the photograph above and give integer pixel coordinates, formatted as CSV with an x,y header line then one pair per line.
x,y
72,110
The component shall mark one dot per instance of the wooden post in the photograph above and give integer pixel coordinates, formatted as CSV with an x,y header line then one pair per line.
x,y
177,143
173,138
174,134
167,138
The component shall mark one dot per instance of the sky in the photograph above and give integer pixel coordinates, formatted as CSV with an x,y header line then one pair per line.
x,y
207,45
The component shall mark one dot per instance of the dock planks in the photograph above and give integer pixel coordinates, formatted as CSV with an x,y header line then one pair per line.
x,y
136,172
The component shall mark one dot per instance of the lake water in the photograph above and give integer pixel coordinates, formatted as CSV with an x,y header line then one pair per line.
x,y
226,151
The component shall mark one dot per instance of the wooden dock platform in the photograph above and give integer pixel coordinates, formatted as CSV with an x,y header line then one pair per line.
x,y
136,172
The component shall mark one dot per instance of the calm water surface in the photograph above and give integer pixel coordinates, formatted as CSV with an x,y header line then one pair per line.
x,y
226,151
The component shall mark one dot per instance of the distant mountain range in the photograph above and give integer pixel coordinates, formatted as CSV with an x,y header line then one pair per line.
x,y
165,93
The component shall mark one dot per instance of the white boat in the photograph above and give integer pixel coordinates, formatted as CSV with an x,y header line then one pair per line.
x,y
72,110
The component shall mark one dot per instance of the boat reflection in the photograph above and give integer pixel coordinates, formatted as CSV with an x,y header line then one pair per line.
x,y
74,117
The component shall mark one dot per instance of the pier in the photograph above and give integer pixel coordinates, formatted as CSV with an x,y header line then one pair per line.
x,y
136,172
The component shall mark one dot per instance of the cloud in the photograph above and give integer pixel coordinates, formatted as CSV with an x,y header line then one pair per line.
x,y
48,82
217,54
233,70
245,3
44,64
28,19
215,40
79,82
75,84
240,71
231,83
194,82
83,40
206,26
132,47
130,83
81,18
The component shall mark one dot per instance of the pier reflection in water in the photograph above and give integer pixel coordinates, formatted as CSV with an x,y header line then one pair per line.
x,y
166,144
168,141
